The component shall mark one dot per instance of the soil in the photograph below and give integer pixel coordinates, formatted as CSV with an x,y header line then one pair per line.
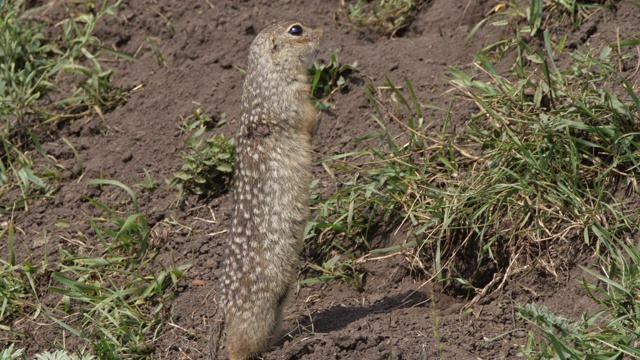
x,y
398,315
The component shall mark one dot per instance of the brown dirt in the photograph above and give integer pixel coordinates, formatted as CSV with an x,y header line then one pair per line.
x,y
397,315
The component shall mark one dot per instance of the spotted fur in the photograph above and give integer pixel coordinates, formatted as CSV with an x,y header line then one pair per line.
x,y
271,186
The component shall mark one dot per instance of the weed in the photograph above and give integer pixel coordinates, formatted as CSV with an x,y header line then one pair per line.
x,y
156,51
63,355
548,161
208,163
77,43
386,16
11,354
24,69
24,65
17,286
328,78
148,183
348,271
612,331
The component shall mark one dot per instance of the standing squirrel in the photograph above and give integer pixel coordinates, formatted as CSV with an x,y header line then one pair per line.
x,y
272,176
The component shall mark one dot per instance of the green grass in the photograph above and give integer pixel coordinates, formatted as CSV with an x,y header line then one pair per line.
x,y
530,20
31,99
544,161
110,294
106,290
63,355
612,331
385,16
347,271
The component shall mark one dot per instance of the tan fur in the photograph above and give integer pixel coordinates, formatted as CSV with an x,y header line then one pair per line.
x,y
271,187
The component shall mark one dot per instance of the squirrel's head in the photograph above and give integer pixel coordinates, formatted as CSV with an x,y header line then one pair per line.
x,y
289,45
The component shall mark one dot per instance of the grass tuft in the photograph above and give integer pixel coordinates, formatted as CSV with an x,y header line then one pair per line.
x,y
208,163
387,17
611,332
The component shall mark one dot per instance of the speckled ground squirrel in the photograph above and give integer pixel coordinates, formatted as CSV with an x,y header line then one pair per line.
x,y
271,187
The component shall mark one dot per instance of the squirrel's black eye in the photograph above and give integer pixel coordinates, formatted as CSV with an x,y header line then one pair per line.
x,y
295,30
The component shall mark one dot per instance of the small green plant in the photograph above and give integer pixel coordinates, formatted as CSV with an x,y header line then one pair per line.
x,y
11,354
328,78
384,16
156,51
348,271
63,355
24,64
208,162
18,291
149,183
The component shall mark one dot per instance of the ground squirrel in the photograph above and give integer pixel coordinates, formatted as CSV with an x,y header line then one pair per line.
x,y
271,187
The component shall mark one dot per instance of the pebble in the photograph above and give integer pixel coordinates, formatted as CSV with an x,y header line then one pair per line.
x,y
127,157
